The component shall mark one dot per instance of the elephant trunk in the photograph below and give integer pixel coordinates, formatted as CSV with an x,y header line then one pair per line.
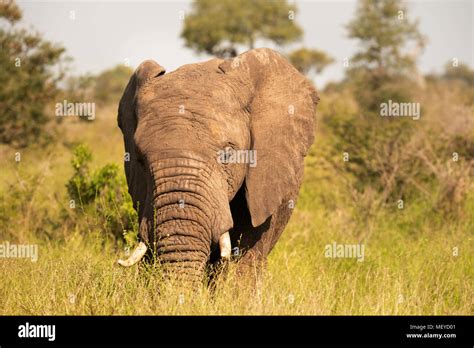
x,y
185,216
180,236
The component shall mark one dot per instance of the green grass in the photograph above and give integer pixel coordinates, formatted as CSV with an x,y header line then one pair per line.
x,y
409,266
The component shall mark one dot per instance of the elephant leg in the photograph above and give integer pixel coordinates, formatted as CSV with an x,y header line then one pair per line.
x,y
255,243
255,252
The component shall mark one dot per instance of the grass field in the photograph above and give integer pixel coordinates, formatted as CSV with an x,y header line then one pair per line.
x,y
415,262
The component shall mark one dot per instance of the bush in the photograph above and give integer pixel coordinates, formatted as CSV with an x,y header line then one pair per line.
x,y
376,148
393,159
101,194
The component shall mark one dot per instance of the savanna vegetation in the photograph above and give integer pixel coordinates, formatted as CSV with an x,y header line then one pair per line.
x,y
401,187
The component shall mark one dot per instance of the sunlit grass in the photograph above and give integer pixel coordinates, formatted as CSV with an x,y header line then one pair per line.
x,y
399,275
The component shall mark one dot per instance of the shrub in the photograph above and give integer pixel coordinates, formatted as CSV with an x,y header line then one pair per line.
x,y
101,194
392,159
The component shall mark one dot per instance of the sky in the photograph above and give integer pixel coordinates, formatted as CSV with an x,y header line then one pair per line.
x,y
101,34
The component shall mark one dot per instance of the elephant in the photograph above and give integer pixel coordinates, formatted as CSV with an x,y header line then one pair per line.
x,y
215,158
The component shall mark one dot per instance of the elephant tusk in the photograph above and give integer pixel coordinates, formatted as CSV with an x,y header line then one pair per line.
x,y
136,256
225,245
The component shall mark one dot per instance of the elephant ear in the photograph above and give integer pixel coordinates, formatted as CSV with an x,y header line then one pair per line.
x,y
282,107
127,121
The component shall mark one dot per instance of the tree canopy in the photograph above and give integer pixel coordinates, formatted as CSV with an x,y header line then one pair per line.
x,y
305,60
384,33
29,81
389,44
217,27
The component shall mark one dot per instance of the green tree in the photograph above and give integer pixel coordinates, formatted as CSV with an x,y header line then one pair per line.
x,y
218,27
29,81
389,43
305,60
384,31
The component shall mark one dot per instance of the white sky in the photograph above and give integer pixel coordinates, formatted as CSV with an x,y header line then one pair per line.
x,y
105,33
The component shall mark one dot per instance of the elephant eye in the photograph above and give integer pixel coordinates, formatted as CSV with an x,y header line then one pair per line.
x,y
227,155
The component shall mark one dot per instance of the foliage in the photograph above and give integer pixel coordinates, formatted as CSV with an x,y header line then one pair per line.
x,y
29,82
376,146
10,11
305,60
382,68
402,159
384,32
102,189
217,27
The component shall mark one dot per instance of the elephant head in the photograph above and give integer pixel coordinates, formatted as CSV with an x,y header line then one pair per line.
x,y
176,127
